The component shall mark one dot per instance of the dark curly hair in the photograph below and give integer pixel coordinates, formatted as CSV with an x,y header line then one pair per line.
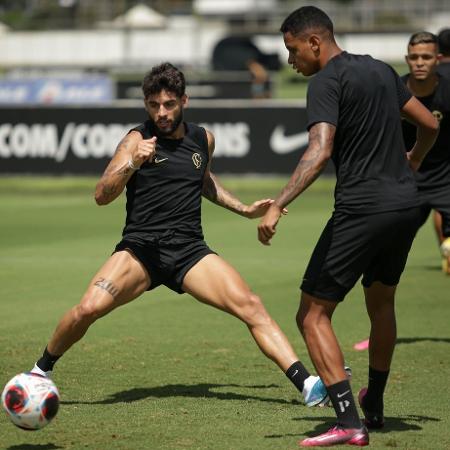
x,y
165,76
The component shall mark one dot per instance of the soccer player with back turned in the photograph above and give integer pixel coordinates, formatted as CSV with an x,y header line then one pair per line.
x,y
164,163
353,107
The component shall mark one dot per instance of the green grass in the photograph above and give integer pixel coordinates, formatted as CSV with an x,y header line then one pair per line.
x,y
166,372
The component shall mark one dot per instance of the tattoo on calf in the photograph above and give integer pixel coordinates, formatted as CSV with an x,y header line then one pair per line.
x,y
108,286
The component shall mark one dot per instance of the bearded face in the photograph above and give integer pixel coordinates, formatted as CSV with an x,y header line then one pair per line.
x,y
165,110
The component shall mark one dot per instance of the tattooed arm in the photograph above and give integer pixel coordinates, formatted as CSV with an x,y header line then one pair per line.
x,y
311,164
130,154
216,193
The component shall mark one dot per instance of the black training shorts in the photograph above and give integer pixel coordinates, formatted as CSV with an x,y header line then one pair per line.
x,y
166,257
374,245
439,200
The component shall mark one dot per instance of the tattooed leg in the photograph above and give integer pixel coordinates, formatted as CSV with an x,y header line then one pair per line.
x,y
119,281
108,286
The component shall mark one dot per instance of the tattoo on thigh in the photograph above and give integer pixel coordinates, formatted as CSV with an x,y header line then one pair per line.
x,y
108,286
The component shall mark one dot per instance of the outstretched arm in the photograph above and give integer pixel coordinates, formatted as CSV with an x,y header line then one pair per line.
x,y
311,164
216,193
130,154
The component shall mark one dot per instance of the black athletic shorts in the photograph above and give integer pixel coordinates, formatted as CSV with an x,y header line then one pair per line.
x,y
374,245
439,200
167,257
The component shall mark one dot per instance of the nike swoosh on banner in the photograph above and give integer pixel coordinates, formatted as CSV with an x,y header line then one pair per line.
x,y
282,144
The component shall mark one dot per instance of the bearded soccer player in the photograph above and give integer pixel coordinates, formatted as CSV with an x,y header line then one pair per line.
x,y
433,177
353,107
164,164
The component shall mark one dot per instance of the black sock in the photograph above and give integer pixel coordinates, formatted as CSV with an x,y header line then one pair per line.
x,y
297,373
373,400
47,361
344,404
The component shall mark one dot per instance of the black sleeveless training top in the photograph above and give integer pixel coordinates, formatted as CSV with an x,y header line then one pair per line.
x,y
165,195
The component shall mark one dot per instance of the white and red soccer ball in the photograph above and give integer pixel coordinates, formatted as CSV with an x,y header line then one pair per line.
x,y
30,400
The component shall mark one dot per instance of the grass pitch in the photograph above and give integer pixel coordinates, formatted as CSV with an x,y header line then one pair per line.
x,y
166,372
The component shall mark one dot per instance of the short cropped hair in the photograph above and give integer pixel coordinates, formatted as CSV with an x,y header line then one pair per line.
x,y
307,18
164,77
444,41
423,37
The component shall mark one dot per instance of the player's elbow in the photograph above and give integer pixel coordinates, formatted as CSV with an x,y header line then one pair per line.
x,y
429,130
434,126
100,197
323,158
100,200
430,125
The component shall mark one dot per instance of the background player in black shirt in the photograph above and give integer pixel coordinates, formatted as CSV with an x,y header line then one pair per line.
x,y
444,50
165,166
353,108
433,176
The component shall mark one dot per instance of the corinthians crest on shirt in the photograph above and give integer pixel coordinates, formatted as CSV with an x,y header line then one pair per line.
x,y
197,160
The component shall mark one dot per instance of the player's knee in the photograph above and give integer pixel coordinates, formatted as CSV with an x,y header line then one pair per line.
x,y
307,321
86,313
253,311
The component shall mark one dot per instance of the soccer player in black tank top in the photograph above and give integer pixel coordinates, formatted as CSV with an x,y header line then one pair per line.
x,y
353,108
165,165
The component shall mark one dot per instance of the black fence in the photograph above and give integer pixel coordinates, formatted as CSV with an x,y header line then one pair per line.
x,y
251,137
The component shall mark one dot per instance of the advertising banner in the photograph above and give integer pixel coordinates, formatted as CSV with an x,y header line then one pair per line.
x,y
56,91
81,140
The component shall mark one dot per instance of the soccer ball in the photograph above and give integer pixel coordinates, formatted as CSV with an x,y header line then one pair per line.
x,y
30,400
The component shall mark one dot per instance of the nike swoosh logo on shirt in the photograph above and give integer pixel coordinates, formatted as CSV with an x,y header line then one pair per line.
x,y
282,144
157,161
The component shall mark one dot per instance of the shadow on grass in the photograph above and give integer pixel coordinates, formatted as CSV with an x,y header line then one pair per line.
x,y
412,340
34,447
432,268
202,390
409,422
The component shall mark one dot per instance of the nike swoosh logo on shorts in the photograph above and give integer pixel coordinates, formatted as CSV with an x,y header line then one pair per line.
x,y
282,144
